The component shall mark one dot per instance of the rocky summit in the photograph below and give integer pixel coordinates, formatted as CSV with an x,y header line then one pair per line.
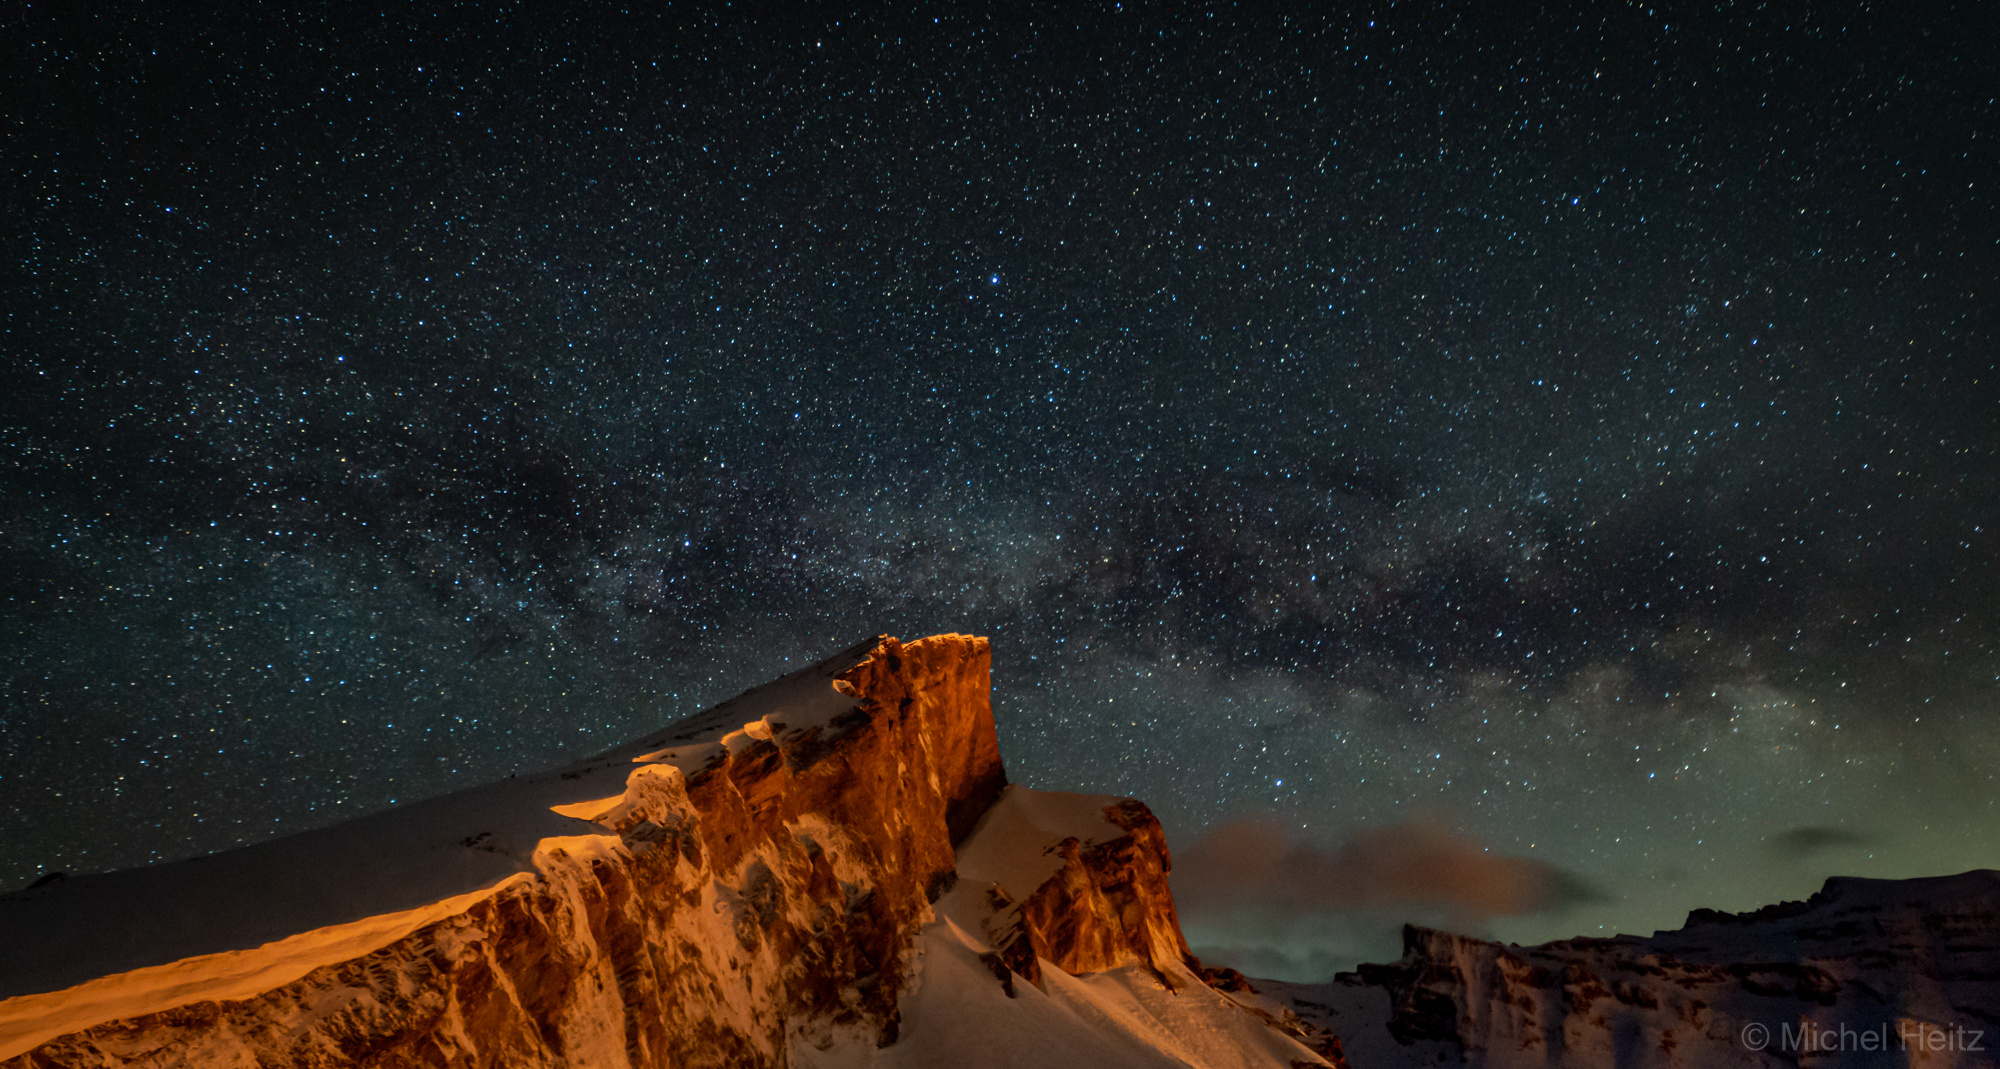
x,y
831,871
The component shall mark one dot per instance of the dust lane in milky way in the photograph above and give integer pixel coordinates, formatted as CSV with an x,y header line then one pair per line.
x,y
1561,439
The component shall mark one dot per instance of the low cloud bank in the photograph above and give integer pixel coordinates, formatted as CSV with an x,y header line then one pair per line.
x,y
1255,898
1257,863
1801,843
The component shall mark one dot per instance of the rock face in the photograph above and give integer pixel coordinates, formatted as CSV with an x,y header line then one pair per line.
x,y
752,875
1057,946
1107,906
830,870
1867,972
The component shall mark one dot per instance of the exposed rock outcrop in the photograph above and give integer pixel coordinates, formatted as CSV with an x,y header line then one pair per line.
x,y
1107,906
759,885
761,868
1058,946
1867,972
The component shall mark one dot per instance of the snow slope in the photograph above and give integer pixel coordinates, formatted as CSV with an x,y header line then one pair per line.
x,y
968,1010
682,899
752,886
405,860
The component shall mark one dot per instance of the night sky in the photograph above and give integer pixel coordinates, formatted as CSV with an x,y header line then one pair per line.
x,y
1565,439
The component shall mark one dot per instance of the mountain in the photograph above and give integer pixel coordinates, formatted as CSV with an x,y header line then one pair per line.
x,y
830,870
1864,973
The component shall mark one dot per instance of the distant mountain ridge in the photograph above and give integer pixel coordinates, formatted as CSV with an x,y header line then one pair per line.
x,y
1864,973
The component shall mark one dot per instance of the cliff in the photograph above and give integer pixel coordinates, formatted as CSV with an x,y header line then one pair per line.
x,y
752,886
1867,972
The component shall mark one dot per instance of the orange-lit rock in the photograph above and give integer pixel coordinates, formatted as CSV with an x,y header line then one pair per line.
x,y
1109,905
756,885
773,880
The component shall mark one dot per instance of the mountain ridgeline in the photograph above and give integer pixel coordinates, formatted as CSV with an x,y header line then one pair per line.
x,y
831,871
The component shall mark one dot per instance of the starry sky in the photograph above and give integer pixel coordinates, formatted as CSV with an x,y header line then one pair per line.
x,y
1566,440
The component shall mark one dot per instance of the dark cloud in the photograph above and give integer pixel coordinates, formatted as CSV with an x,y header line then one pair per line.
x,y
1800,843
1257,898
1256,864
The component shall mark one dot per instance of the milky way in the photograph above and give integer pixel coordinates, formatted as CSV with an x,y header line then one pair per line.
x,y
1569,435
